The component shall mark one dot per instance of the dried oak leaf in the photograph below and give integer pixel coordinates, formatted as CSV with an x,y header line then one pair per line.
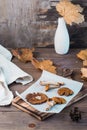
x,y
44,65
70,12
84,73
23,54
85,63
82,54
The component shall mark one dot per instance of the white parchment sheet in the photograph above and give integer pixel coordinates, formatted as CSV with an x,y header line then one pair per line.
x,y
47,76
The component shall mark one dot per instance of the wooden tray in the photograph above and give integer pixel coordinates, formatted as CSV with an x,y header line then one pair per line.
x,y
19,103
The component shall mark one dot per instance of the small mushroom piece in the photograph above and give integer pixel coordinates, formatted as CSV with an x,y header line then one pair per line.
x,y
49,87
50,105
43,83
53,101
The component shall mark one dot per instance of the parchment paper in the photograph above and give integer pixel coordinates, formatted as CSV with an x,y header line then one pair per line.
x,y
47,76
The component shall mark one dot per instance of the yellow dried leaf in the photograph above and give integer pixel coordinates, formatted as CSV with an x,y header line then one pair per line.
x,y
44,65
85,63
70,12
82,54
23,54
84,73
36,63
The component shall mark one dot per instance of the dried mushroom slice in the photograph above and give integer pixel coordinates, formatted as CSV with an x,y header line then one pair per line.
x,y
36,98
65,91
53,101
58,100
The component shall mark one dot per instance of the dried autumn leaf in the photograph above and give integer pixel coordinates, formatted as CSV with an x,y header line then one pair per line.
x,y
44,65
23,54
70,12
82,54
85,63
84,73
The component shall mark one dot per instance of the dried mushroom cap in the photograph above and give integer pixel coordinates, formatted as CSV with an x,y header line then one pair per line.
x,y
36,98
82,54
58,100
65,91
53,101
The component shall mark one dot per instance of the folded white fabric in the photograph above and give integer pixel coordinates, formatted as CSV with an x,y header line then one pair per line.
x,y
6,95
13,73
9,73
5,52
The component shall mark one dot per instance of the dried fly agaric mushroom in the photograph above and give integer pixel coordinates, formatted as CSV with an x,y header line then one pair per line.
x,y
53,101
51,85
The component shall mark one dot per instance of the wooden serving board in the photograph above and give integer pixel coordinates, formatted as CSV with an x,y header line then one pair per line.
x,y
19,103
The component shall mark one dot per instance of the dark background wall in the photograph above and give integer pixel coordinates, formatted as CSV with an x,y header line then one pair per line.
x,y
27,23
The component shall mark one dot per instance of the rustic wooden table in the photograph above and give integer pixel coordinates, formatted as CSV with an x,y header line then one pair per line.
x,y
12,118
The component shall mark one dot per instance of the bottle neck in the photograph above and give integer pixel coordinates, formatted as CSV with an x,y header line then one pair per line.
x,y
61,21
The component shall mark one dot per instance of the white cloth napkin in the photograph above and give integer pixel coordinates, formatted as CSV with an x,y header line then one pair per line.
x,y
6,95
5,52
9,73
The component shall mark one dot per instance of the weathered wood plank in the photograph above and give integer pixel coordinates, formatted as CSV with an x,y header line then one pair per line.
x,y
26,23
20,104
14,119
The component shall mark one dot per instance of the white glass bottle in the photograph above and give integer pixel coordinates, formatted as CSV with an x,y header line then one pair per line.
x,y
61,39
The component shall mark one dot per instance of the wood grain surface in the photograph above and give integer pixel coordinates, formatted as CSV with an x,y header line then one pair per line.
x,y
26,23
12,118
20,104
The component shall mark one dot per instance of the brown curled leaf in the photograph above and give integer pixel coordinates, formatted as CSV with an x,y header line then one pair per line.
x,y
44,65
82,54
23,54
85,63
84,73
